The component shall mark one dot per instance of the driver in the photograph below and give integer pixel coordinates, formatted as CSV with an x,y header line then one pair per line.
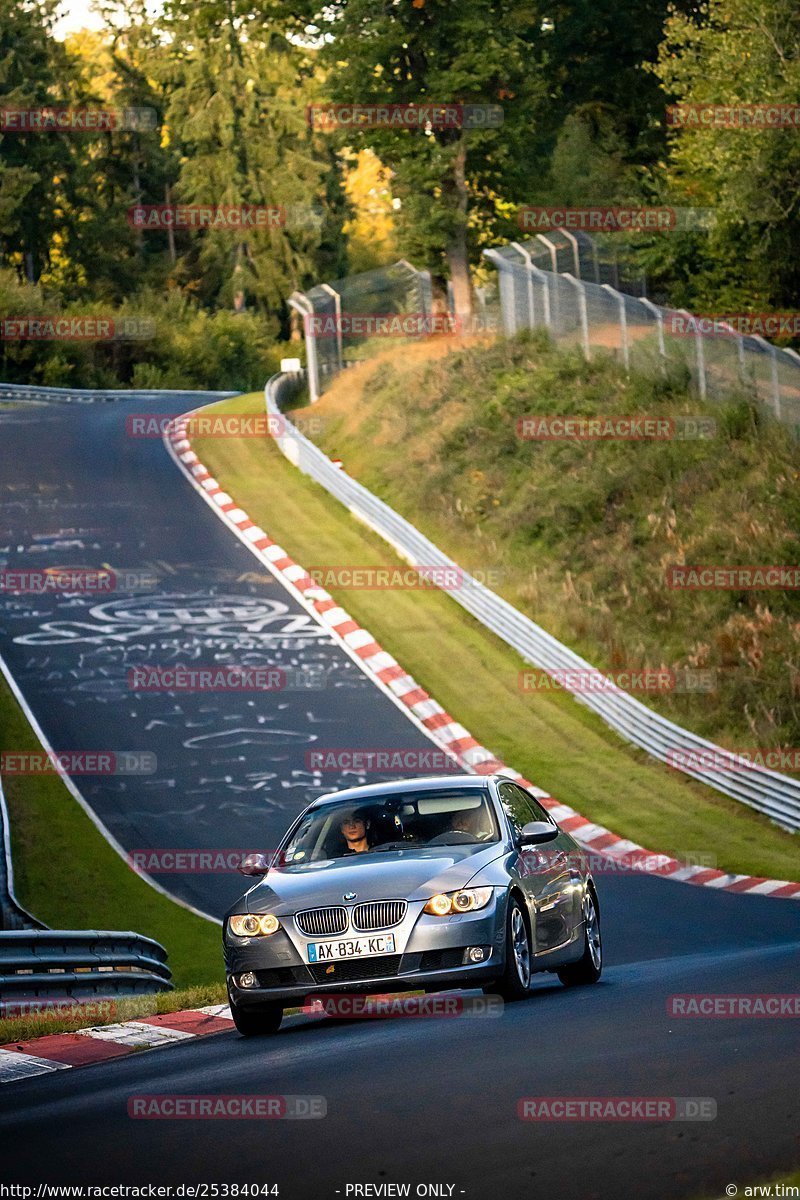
x,y
354,827
469,821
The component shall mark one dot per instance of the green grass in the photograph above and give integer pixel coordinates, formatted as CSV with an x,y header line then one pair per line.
x,y
107,1012
580,534
68,876
548,737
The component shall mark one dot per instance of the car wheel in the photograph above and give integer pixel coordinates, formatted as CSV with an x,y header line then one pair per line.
x,y
257,1022
516,979
589,967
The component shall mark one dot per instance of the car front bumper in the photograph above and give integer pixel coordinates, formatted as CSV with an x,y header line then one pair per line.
x,y
431,953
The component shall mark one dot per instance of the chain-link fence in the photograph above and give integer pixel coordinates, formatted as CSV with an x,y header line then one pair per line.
x,y
340,319
563,282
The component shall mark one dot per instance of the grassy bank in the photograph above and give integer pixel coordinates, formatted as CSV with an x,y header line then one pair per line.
x,y
548,737
68,875
580,534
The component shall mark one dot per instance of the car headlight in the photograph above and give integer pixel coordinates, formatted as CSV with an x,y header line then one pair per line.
x,y
253,926
444,904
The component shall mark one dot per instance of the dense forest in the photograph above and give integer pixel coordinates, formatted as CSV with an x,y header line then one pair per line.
x,y
208,106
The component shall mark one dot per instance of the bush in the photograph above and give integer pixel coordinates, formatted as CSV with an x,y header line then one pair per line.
x,y
184,347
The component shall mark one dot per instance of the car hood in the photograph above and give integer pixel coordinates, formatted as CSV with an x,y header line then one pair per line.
x,y
406,874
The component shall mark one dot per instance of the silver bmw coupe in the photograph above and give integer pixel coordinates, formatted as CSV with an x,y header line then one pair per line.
x,y
425,884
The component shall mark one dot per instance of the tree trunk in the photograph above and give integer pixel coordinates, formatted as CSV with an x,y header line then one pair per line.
x,y
457,246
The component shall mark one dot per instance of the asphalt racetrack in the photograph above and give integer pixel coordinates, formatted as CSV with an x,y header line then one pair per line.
x,y
230,767
408,1102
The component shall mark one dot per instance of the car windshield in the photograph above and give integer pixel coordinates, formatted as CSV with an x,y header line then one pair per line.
x,y
339,828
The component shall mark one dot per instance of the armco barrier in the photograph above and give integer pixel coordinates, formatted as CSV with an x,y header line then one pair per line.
x,y
775,795
41,963
14,393
80,964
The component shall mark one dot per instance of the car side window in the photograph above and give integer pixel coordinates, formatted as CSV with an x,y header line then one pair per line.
x,y
520,808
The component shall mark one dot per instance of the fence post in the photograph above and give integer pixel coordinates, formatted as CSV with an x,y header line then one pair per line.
x,y
700,354
659,316
772,353
529,277
595,260
623,324
503,275
776,383
582,309
337,307
296,301
739,349
548,318
553,252
795,358
576,254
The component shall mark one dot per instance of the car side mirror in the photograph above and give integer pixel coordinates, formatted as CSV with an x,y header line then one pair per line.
x,y
255,864
536,832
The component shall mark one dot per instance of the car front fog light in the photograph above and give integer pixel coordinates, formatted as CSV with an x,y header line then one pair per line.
x,y
476,954
247,980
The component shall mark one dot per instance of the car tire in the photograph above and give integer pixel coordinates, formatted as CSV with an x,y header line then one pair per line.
x,y
589,966
515,983
257,1022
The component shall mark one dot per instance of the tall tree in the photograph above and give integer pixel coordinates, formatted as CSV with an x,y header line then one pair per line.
x,y
435,52
236,111
35,71
743,52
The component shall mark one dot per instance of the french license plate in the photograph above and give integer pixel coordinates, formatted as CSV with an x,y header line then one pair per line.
x,y
363,947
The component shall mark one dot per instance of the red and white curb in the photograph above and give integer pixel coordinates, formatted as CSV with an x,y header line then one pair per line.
x,y
421,708
60,1051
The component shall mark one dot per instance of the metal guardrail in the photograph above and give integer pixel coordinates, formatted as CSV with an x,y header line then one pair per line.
x,y
37,962
34,394
80,964
769,792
